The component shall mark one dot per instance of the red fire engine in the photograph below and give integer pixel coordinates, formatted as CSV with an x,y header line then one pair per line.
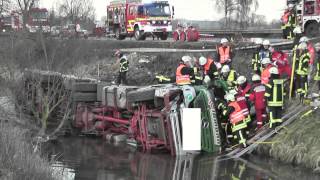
x,y
38,18
308,15
11,22
134,18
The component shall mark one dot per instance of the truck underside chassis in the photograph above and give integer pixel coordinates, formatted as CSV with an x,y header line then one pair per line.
x,y
153,121
149,116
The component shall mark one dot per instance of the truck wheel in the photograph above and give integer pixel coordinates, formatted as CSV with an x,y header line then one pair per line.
x,y
164,36
175,36
138,35
312,30
182,36
118,34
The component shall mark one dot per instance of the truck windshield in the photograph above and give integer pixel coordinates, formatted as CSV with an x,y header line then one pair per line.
x,y
39,15
157,9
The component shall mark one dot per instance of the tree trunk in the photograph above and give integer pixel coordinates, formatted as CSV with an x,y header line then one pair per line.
x,y
226,13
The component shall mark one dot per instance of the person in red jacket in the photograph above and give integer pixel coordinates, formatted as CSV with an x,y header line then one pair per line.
x,y
243,96
280,59
257,97
310,48
265,75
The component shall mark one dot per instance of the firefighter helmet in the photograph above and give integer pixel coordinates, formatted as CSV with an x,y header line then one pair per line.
x,y
259,41
303,46
224,40
297,30
117,52
256,77
186,59
202,61
229,97
241,80
303,39
266,43
290,6
225,69
274,70
317,46
265,61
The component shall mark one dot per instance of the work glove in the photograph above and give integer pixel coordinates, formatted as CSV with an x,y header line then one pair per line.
x,y
207,79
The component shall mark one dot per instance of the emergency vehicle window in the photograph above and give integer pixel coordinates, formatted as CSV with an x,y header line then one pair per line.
x,y
131,10
309,7
140,10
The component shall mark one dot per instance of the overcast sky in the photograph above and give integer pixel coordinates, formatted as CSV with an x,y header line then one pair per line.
x,y
196,9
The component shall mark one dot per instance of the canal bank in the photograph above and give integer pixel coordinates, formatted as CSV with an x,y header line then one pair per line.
x,y
297,144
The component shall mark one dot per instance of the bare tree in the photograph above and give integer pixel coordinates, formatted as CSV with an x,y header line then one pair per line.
x,y
240,9
5,6
25,7
74,10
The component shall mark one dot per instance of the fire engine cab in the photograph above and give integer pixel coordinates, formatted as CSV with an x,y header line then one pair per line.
x,y
308,15
134,18
39,18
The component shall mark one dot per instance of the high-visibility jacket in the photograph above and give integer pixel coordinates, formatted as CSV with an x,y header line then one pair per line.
x,y
224,53
312,53
285,17
317,76
275,93
180,78
256,61
236,117
232,76
303,64
124,64
265,75
207,66
257,96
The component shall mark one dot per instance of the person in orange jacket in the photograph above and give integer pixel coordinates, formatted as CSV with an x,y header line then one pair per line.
x,y
184,72
265,75
224,52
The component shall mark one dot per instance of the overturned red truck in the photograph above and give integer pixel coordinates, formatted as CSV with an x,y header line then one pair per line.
x,y
150,116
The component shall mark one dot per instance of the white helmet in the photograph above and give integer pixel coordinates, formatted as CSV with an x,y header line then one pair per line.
x,y
241,80
224,40
202,61
186,59
225,69
303,46
297,30
290,5
218,65
258,41
274,70
317,46
256,77
265,61
229,97
303,39
266,43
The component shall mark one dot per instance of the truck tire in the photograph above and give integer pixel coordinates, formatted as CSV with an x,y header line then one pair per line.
x,y
164,36
84,87
312,29
182,37
146,94
84,97
138,35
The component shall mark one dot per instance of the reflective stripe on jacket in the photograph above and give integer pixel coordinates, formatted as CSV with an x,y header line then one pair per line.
x,y
182,79
236,116
275,93
224,53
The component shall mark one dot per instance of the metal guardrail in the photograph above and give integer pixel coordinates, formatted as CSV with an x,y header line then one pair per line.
x,y
244,33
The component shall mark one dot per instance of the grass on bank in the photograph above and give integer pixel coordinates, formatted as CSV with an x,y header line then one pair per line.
x,y
17,157
299,144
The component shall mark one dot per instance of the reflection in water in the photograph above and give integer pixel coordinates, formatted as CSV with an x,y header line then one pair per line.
x,y
85,158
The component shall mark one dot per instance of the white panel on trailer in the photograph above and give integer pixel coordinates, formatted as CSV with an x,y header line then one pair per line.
x,y
191,129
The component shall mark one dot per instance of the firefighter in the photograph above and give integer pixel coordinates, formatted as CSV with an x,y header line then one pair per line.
x,y
284,21
265,75
297,36
302,70
265,51
224,52
229,75
275,96
317,74
198,73
310,48
256,60
124,67
257,97
236,119
289,19
209,68
243,95
184,72
280,59
226,132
